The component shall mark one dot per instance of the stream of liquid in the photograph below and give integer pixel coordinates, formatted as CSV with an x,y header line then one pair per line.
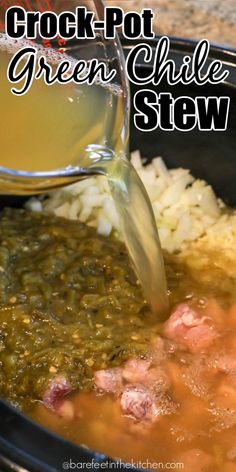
x,y
50,128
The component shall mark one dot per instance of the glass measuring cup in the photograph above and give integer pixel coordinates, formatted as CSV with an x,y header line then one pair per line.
x,y
27,132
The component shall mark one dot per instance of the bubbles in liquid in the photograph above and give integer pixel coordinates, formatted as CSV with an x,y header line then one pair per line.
x,y
11,46
54,56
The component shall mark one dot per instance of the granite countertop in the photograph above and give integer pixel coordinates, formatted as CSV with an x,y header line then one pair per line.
x,y
196,19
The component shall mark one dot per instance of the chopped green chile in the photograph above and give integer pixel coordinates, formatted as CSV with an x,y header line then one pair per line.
x,y
69,304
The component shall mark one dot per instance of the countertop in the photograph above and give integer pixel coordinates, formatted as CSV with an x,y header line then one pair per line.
x,y
196,19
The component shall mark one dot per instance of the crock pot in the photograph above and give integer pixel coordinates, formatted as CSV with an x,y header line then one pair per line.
x,y
211,155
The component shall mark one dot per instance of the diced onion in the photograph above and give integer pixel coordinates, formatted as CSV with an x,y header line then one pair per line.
x,y
185,208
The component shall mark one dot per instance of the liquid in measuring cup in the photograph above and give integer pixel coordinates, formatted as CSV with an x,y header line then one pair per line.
x,y
50,127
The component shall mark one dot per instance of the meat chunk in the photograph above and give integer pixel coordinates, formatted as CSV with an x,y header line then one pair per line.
x,y
109,380
135,370
138,402
199,338
57,389
185,326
